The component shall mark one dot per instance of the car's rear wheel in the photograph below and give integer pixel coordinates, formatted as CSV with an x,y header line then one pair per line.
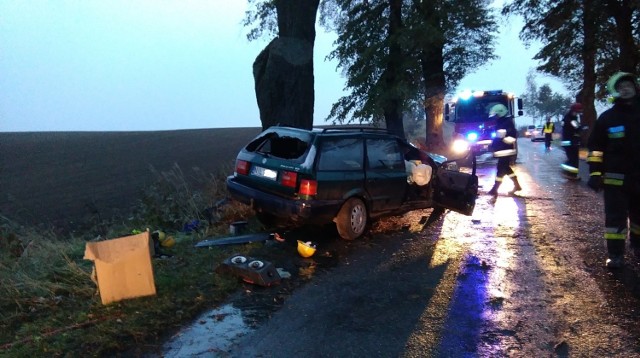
x,y
351,221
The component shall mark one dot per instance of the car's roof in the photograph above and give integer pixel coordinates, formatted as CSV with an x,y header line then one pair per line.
x,y
333,130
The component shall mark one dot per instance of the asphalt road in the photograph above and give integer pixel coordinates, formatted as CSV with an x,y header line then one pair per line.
x,y
523,276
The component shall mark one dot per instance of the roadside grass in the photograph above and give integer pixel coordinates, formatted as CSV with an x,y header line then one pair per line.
x,y
49,305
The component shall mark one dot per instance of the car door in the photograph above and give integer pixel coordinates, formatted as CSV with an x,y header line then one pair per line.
x,y
386,176
454,189
340,168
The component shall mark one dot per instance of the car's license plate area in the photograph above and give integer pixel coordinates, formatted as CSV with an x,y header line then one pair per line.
x,y
264,173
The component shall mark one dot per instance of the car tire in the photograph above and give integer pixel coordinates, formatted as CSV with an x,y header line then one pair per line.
x,y
351,220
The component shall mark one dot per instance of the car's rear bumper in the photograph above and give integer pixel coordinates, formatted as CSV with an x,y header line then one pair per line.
x,y
296,211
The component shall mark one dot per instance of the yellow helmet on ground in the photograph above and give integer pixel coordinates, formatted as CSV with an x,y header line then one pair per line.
x,y
306,249
169,241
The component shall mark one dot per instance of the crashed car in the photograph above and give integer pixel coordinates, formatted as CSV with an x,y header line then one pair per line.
x,y
344,175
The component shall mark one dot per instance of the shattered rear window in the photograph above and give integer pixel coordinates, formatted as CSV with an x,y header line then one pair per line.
x,y
281,144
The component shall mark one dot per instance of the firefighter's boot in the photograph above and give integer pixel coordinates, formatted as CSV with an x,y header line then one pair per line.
x,y
516,185
494,191
615,249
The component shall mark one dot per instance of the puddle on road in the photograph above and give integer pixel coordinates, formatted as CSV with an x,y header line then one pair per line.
x,y
213,332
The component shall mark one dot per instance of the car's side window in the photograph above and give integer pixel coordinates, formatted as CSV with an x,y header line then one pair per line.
x,y
384,154
341,154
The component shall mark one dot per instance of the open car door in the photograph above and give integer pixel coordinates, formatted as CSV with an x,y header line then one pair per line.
x,y
454,189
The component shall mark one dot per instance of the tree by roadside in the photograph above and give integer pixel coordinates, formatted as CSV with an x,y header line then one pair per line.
x,y
393,53
283,71
397,53
543,102
584,42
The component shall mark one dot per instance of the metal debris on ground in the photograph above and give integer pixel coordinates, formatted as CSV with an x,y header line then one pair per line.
x,y
234,240
250,270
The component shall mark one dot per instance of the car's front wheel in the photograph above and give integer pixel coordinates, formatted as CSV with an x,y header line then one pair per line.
x,y
351,220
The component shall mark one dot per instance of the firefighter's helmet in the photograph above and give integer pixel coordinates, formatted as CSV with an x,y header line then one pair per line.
x,y
616,78
306,249
499,110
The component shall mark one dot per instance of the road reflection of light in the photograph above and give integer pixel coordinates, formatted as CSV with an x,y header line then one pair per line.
x,y
485,245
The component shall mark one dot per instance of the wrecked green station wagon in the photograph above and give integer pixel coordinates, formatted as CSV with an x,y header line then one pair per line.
x,y
347,175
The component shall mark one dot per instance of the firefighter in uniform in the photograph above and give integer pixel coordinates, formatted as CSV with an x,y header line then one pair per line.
x,y
571,129
503,147
548,134
614,165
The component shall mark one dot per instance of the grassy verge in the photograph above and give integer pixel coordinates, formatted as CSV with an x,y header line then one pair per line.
x,y
49,305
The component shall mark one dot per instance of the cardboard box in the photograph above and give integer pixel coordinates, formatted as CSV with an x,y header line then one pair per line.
x,y
123,267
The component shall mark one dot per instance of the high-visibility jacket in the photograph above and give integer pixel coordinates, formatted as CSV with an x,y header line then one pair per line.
x,y
548,128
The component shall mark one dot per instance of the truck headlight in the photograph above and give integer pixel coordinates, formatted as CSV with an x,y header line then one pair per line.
x,y
460,146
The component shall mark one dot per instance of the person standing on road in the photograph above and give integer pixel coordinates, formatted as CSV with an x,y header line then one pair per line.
x,y
503,147
548,134
571,129
614,166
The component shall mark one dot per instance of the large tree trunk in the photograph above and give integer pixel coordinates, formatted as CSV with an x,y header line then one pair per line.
x,y
432,63
283,71
392,103
589,65
622,13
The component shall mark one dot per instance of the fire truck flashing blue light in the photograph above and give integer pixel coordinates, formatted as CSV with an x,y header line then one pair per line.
x,y
466,94
472,136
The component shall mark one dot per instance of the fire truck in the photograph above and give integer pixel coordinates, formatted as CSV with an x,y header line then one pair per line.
x,y
467,124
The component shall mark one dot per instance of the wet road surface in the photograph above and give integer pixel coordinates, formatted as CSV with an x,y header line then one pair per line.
x,y
523,276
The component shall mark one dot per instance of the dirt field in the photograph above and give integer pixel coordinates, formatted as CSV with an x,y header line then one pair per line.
x,y
58,178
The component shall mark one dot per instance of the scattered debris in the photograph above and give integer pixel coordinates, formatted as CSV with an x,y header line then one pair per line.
x,y
238,227
231,240
191,226
123,267
283,273
250,270
278,237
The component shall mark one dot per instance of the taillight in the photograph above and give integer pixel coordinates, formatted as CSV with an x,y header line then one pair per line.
x,y
242,167
289,179
308,188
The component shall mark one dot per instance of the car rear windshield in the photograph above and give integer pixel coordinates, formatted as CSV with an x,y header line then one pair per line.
x,y
285,144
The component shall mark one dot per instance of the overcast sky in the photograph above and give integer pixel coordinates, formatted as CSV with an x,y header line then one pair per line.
x,y
116,65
